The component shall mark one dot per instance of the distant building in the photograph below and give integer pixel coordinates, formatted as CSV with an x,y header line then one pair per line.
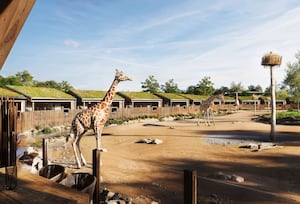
x,y
41,98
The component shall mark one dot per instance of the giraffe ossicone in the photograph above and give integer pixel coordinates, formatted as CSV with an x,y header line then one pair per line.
x,y
94,118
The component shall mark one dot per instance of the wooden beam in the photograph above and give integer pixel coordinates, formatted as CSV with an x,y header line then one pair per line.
x,y
13,14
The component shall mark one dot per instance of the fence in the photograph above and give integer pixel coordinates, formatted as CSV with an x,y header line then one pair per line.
x,y
30,120
8,132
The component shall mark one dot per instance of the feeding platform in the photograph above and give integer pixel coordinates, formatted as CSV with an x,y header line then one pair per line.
x,y
271,59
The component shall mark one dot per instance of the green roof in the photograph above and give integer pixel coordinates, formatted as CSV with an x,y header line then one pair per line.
x,y
195,97
246,98
8,93
171,96
138,95
92,94
39,92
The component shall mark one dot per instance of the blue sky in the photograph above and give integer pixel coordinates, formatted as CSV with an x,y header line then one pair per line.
x,y
84,41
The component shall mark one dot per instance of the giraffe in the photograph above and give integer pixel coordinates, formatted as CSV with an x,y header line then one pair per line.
x,y
207,108
94,118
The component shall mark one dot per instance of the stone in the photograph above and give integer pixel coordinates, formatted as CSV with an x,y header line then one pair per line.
x,y
237,178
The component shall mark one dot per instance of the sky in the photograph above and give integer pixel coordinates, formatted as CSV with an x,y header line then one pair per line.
x,y
83,42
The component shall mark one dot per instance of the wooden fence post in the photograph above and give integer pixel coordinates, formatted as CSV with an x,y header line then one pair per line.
x,y
96,173
45,152
190,187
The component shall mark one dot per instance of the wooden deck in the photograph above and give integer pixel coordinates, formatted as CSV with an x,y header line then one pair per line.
x,y
36,189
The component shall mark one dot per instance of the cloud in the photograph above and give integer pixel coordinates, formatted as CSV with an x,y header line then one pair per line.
x,y
71,43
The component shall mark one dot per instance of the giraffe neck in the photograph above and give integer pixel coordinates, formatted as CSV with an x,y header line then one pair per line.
x,y
110,93
210,100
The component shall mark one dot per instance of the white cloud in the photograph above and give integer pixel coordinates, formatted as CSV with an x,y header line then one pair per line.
x,y
71,43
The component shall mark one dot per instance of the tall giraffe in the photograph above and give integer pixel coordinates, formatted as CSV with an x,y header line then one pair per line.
x,y
94,118
206,107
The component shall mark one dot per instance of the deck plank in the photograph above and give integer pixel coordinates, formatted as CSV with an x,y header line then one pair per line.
x,y
36,189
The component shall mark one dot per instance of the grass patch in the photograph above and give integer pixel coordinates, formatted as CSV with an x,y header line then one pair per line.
x,y
286,114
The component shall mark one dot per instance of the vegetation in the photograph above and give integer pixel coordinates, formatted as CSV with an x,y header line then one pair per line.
x,y
150,85
290,89
26,79
292,79
288,114
285,114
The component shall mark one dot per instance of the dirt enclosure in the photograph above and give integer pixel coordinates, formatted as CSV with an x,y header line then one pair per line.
x,y
155,171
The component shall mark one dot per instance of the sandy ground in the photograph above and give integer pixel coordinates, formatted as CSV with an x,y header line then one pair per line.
x,y
155,172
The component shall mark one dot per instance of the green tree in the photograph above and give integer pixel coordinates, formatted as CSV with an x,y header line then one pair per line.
x,y
292,78
222,90
12,80
150,85
170,87
25,77
256,88
65,86
236,87
205,86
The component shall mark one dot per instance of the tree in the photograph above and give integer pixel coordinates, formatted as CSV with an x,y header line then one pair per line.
x,y
256,88
150,85
222,90
65,86
205,86
25,78
170,87
236,87
292,78
12,80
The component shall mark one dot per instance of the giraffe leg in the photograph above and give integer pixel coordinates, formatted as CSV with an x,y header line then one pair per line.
x,y
198,121
212,117
98,139
80,153
74,145
208,118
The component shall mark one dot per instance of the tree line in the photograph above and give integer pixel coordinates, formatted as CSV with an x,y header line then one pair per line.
x,y
24,78
290,87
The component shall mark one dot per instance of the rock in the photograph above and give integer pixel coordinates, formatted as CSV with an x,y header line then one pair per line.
x,y
237,178
150,141
157,141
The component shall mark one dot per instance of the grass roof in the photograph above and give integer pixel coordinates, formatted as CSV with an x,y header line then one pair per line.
x,y
92,94
138,95
8,93
195,97
171,96
40,92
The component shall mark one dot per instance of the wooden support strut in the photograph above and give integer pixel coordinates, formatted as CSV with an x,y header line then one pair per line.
x,y
13,14
190,187
45,152
96,173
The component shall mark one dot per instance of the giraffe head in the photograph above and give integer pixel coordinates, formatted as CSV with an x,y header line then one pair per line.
x,y
120,76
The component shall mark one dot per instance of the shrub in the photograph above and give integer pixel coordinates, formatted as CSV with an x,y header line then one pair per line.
x,y
47,130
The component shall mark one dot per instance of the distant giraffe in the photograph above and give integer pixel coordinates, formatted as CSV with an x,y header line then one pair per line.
x,y
206,107
94,118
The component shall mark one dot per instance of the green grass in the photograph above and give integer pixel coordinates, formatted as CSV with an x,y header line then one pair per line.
x,y
286,114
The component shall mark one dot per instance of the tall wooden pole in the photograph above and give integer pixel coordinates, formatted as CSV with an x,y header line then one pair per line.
x,y
271,60
273,105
